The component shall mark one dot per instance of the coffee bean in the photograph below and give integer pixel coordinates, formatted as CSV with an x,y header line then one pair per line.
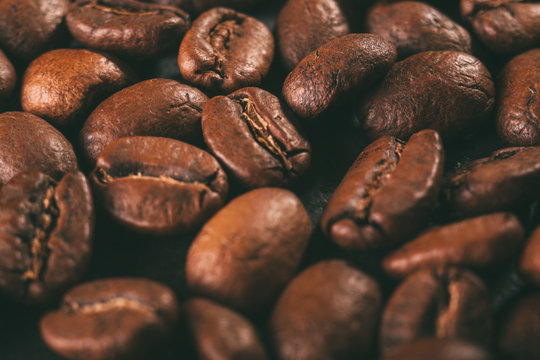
x,y
387,194
29,27
505,180
118,318
448,91
302,26
220,333
7,78
329,311
415,27
253,134
156,107
46,231
249,250
504,26
518,108
530,260
444,303
331,72
30,143
478,242
440,349
158,185
127,27
226,50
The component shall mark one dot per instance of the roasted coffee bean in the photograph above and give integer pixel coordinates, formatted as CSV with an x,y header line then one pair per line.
x,y
7,78
156,107
518,109
329,311
387,194
250,249
440,349
253,134
203,5
478,242
158,185
445,303
415,27
120,318
530,260
226,50
520,330
334,70
505,180
448,91
127,27
219,333
30,143
46,233
28,27
62,84
504,26
304,25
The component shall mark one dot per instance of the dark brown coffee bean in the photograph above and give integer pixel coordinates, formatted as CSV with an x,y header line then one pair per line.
x,y
415,27
7,78
252,132
334,70
445,303
505,180
387,194
46,233
219,333
110,319
62,84
505,26
530,260
30,143
250,249
158,185
127,27
156,107
329,311
304,25
226,50
439,349
478,242
28,27
518,109
448,91
520,331
203,5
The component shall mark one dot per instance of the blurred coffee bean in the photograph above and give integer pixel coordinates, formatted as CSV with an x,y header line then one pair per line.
x,y
7,78
530,260
439,349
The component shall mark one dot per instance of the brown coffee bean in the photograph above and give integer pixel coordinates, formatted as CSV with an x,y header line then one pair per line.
x,y
127,27
7,78
158,185
415,27
530,260
253,134
334,70
518,109
250,249
62,84
505,26
448,91
220,333
478,242
445,303
505,180
329,311
304,25
46,231
156,107
387,194
30,143
440,349
28,27
119,318
226,50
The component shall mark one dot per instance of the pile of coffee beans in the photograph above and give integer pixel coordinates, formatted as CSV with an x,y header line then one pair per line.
x,y
289,179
